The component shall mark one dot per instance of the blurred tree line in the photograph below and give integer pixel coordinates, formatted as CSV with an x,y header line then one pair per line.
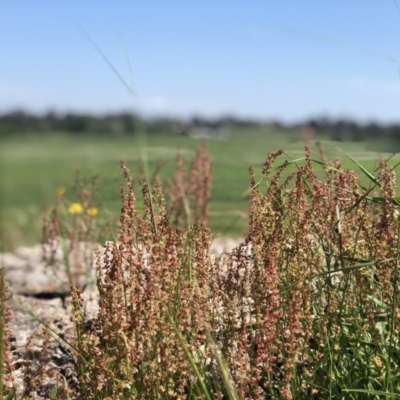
x,y
20,122
351,131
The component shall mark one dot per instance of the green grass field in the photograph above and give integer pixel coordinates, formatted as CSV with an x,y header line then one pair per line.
x,y
32,167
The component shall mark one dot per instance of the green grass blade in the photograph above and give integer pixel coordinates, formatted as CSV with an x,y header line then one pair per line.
x,y
223,366
366,172
200,378
353,267
106,59
373,392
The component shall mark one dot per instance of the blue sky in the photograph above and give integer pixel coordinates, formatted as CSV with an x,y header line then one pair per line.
x,y
285,59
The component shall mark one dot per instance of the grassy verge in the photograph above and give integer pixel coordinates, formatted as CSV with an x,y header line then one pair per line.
x,y
34,167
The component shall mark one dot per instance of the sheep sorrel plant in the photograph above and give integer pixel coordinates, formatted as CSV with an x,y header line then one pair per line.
x,y
189,193
324,285
153,312
306,308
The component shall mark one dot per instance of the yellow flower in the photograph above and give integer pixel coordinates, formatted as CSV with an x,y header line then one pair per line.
x,y
60,191
92,211
75,208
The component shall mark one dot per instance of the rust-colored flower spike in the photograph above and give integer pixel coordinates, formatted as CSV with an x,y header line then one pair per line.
x,y
199,186
177,193
189,194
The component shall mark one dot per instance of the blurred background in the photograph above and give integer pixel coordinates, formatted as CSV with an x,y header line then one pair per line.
x,y
84,84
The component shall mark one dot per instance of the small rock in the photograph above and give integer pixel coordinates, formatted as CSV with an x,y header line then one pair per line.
x,y
224,245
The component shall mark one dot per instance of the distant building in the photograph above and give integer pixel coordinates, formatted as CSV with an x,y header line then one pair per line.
x,y
203,129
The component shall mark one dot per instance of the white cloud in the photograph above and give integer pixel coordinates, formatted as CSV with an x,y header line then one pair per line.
x,y
375,86
34,99
154,103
